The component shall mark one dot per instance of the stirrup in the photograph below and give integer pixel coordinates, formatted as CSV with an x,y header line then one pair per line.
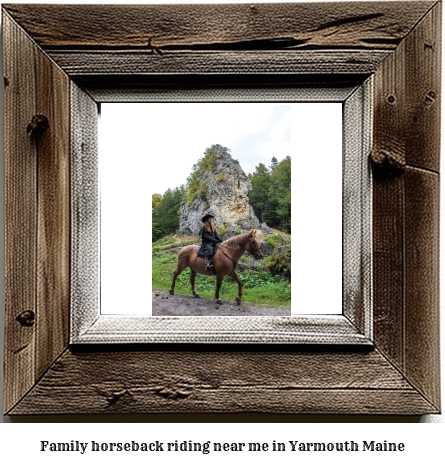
x,y
211,267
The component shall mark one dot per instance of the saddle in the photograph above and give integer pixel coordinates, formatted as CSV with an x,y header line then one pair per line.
x,y
201,255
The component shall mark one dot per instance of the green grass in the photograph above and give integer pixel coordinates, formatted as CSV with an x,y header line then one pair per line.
x,y
167,240
158,248
260,287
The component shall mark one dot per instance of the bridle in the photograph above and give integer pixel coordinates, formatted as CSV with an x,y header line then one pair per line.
x,y
258,248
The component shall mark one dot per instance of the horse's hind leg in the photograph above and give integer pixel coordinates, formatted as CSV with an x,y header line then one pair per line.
x,y
179,269
192,281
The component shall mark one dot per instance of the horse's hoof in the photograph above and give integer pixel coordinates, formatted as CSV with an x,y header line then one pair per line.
x,y
238,301
219,302
172,292
197,295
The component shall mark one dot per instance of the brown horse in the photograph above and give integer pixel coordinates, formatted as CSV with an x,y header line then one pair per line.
x,y
225,262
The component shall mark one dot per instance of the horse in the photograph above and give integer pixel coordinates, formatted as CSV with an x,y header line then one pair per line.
x,y
225,262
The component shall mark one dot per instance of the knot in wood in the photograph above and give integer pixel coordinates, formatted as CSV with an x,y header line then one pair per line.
x,y
37,126
172,393
387,163
112,395
26,318
430,97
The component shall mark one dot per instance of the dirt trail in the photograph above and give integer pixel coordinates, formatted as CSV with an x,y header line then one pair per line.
x,y
165,304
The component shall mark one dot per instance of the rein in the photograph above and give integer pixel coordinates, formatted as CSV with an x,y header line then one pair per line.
x,y
231,259
225,246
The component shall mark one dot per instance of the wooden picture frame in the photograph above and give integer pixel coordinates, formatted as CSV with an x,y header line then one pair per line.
x,y
97,52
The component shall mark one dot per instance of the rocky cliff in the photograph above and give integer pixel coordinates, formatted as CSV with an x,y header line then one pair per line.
x,y
225,198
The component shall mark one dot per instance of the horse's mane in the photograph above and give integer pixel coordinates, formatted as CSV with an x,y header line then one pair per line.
x,y
232,241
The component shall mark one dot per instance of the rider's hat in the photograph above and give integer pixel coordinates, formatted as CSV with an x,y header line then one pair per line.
x,y
206,217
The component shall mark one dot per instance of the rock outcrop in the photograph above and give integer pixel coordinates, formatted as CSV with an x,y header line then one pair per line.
x,y
265,229
226,199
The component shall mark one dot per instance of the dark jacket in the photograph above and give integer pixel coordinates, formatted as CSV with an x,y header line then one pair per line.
x,y
209,242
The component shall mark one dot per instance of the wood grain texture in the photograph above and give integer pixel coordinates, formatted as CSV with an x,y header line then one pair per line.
x,y
223,382
388,268
406,132
357,209
216,87
423,91
20,212
109,329
388,202
85,215
78,63
422,281
348,25
37,218
53,227
408,83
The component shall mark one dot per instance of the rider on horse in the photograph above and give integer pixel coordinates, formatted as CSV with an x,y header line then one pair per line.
x,y
210,239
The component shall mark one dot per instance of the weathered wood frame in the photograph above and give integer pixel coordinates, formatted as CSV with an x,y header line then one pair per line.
x,y
100,49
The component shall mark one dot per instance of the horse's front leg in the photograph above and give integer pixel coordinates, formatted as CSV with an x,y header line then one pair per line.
x,y
240,287
219,279
192,281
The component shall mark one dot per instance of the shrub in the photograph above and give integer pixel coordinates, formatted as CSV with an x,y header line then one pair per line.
x,y
195,189
222,230
273,239
279,263
222,177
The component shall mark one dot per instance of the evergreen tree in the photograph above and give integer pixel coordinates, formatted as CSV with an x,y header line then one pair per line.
x,y
156,232
283,193
273,164
166,220
258,196
270,196
272,202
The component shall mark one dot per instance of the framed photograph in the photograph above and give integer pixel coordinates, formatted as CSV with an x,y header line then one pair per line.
x,y
269,137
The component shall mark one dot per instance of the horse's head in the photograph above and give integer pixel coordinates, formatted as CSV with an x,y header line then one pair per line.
x,y
252,245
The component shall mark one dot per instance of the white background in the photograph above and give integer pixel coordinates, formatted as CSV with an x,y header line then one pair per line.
x,y
19,442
